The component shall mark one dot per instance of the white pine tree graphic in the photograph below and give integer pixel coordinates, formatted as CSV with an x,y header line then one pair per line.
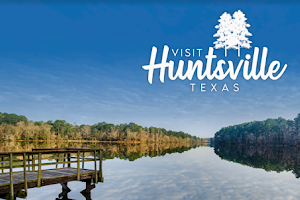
x,y
232,32
223,32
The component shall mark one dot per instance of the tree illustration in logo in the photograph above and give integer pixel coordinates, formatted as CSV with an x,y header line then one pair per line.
x,y
232,32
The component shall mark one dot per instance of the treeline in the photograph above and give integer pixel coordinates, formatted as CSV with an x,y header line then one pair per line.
x,y
18,127
269,132
269,158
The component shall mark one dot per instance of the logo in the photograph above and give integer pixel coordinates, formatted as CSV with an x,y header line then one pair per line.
x,y
232,33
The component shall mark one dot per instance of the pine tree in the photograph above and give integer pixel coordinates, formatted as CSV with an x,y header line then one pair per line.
x,y
240,30
224,33
232,32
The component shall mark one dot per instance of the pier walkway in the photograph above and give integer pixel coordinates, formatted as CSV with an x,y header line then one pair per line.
x,y
29,173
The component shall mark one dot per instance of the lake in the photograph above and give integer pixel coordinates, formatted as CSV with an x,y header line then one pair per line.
x,y
185,172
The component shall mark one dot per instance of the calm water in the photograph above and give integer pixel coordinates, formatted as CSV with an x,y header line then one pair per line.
x,y
196,173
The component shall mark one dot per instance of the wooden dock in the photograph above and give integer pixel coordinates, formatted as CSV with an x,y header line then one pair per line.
x,y
29,177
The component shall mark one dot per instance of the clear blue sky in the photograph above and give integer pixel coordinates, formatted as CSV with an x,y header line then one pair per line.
x,y
82,62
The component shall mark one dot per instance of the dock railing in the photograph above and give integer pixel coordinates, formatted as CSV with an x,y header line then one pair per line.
x,y
32,159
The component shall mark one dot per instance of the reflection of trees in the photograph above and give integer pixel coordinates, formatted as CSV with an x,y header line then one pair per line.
x,y
133,152
269,158
111,150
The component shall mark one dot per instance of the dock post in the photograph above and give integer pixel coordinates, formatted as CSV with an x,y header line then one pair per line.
x,y
64,160
69,159
33,162
83,160
56,165
95,158
2,165
28,162
78,165
100,165
57,161
39,183
25,173
11,176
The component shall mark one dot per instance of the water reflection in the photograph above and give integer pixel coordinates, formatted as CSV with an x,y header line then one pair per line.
x,y
269,158
195,174
86,193
129,152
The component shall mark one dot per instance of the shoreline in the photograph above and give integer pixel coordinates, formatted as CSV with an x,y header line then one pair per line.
x,y
96,141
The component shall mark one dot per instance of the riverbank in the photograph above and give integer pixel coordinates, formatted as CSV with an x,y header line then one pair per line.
x,y
97,141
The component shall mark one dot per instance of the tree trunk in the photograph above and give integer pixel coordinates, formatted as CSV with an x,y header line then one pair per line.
x,y
225,52
239,51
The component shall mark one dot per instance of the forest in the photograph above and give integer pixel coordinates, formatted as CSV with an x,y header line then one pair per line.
x,y
18,127
268,132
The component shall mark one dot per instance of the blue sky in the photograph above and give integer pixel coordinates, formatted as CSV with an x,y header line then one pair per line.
x,y
82,62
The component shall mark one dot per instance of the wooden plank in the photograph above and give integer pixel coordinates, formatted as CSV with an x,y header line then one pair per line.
x,y
18,177
83,158
51,163
45,152
20,186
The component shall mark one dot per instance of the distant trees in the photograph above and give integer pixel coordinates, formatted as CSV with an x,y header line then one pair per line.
x,y
17,127
271,131
12,118
85,131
